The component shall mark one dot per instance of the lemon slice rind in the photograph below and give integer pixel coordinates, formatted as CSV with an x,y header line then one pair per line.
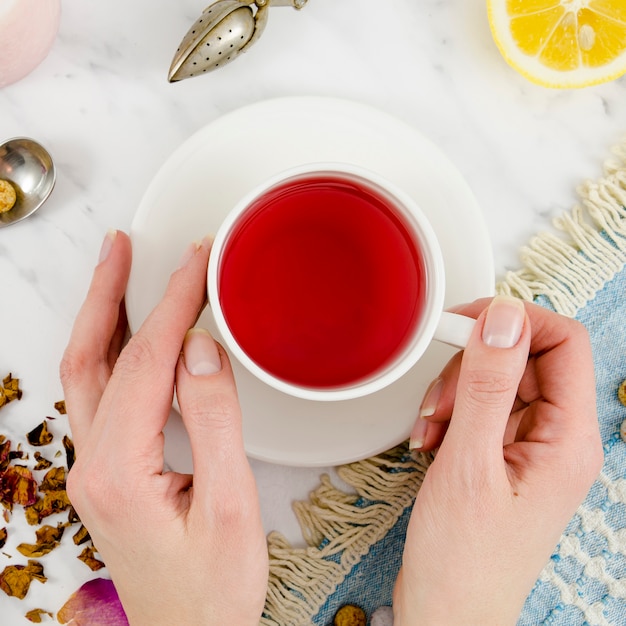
x,y
533,69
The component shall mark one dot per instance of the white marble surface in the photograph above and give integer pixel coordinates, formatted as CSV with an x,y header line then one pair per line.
x,y
102,106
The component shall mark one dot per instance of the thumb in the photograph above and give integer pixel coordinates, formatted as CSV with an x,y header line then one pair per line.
x,y
491,369
210,410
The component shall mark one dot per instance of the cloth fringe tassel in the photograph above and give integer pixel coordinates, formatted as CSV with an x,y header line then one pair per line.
x,y
568,267
339,528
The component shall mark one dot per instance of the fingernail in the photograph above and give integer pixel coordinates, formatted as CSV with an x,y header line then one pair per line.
x,y
504,322
207,242
427,408
431,398
191,250
107,245
188,254
200,352
418,434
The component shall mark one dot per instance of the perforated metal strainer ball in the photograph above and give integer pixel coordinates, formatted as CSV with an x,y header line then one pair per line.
x,y
223,31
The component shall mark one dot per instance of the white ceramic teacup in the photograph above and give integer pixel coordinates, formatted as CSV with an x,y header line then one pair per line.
x,y
323,268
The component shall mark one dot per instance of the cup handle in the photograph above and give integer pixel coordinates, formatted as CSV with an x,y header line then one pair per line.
x,y
454,329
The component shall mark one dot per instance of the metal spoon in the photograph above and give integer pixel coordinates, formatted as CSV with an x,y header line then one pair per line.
x,y
223,31
29,168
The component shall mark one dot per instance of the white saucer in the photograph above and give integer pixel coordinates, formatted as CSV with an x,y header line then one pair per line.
x,y
204,178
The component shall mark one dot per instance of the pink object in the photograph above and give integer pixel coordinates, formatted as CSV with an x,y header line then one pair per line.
x,y
96,602
28,29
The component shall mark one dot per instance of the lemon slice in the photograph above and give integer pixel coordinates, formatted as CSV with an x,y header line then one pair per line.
x,y
561,43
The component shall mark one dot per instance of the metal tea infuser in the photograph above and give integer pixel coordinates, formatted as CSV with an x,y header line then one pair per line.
x,y
225,29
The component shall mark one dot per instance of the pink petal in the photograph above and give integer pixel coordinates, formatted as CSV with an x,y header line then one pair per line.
x,y
96,603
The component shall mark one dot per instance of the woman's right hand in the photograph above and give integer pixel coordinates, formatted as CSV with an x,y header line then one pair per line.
x,y
520,448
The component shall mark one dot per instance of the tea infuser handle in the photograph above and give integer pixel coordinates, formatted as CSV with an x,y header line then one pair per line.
x,y
296,4
454,329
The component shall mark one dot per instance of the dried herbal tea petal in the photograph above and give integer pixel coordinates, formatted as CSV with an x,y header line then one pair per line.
x,y
36,614
54,480
39,436
68,444
88,558
15,579
42,463
72,516
81,535
621,393
17,486
17,454
5,451
33,513
3,537
48,538
52,502
10,389
60,407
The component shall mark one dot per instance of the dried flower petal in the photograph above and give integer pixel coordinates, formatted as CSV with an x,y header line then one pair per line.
x,y
48,538
96,602
68,444
52,502
40,435
81,535
54,480
88,558
15,579
17,454
36,614
10,390
72,515
17,486
5,451
60,407
42,463
3,537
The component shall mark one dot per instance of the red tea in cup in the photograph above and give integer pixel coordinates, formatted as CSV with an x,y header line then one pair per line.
x,y
320,280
